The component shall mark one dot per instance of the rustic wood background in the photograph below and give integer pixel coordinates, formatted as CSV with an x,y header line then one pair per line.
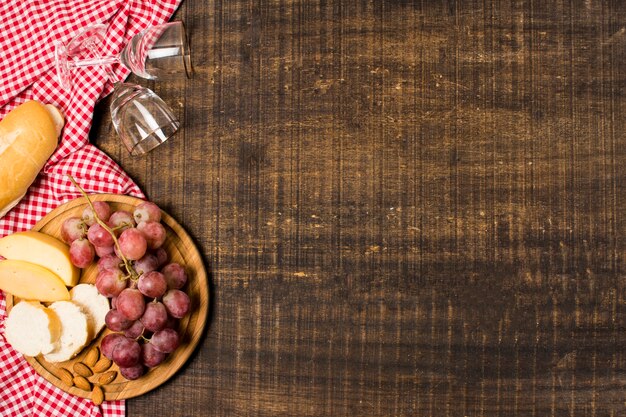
x,y
408,208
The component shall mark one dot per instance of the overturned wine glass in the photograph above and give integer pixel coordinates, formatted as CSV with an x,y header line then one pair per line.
x,y
140,117
156,53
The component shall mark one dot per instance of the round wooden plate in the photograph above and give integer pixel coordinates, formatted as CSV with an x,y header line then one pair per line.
x,y
181,249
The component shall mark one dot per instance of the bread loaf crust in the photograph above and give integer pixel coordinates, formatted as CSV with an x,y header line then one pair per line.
x,y
28,137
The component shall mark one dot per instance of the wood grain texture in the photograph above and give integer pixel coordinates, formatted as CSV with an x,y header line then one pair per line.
x,y
408,208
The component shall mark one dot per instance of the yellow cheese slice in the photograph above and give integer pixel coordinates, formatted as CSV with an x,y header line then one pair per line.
x,y
29,281
43,250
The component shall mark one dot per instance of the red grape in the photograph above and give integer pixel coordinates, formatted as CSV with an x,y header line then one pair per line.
x,y
147,263
103,211
82,253
99,236
130,303
147,211
109,342
111,282
73,228
152,284
155,316
153,232
132,372
132,244
121,220
165,340
175,275
151,357
109,262
127,352
116,321
135,330
104,250
161,255
177,303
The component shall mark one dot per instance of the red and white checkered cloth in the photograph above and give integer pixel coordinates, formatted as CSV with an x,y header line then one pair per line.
x,y
29,31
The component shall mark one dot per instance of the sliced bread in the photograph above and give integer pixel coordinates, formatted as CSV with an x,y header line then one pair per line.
x,y
32,329
74,331
94,304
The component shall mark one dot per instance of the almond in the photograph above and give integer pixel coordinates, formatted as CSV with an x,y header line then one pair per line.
x,y
92,357
107,377
66,376
97,395
82,369
82,383
102,365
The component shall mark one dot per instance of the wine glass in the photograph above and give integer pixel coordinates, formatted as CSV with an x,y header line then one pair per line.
x,y
141,118
158,52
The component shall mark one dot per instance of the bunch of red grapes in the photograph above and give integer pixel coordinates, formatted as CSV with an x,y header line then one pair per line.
x,y
146,290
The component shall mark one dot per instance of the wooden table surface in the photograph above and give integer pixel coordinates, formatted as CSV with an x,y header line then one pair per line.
x,y
407,208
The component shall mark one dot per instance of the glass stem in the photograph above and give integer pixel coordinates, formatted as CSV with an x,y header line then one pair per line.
x,y
89,62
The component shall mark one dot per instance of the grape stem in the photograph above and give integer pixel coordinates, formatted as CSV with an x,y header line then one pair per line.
x,y
127,265
121,226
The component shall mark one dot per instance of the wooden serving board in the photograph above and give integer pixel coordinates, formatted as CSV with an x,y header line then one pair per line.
x,y
181,249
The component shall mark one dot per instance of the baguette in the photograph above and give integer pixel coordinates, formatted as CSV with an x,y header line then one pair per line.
x,y
28,136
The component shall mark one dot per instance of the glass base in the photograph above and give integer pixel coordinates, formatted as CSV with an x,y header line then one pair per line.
x,y
64,70
86,42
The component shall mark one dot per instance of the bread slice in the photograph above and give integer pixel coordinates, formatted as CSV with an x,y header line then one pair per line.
x,y
74,331
94,304
32,329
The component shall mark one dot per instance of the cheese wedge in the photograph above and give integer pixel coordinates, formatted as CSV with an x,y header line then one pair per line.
x,y
32,329
41,249
74,331
29,281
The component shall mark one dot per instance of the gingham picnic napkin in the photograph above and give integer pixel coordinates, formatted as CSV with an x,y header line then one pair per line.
x,y
29,31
